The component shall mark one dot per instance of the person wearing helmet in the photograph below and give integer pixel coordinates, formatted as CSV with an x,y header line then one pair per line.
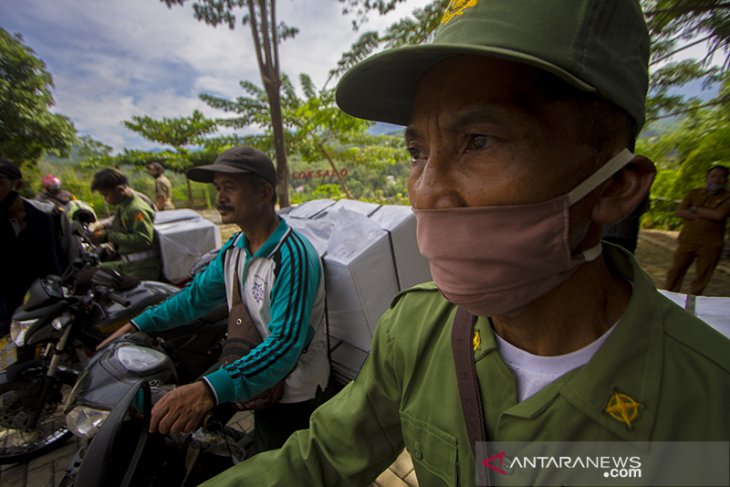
x,y
521,118
52,192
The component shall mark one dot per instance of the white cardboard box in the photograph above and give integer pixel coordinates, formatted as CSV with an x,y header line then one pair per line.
x,y
183,236
715,311
361,253
411,266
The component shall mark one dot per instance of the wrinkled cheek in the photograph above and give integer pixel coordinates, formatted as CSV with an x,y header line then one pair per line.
x,y
414,190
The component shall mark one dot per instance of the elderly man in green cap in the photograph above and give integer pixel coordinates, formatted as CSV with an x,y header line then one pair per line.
x,y
521,119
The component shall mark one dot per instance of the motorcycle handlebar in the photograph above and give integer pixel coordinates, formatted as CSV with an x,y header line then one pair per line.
x,y
112,296
119,299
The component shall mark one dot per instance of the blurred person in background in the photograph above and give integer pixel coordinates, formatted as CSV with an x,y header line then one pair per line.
x,y
702,238
163,187
28,248
52,192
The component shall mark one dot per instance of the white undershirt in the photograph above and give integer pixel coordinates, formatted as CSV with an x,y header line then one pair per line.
x,y
533,372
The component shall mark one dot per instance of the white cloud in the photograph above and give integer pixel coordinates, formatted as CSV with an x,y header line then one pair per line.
x,y
112,59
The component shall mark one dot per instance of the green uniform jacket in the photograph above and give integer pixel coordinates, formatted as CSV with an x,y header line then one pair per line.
x,y
674,365
132,232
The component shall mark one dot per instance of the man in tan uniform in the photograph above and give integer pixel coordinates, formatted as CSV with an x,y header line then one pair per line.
x,y
705,211
163,188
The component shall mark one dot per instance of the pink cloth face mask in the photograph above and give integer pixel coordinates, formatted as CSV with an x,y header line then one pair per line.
x,y
495,260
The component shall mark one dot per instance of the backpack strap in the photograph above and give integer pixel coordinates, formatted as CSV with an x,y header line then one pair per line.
x,y
462,333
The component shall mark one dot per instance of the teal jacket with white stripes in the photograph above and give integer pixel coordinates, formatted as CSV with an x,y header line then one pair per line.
x,y
282,286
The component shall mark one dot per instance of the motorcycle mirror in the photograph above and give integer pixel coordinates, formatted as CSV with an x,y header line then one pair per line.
x,y
52,286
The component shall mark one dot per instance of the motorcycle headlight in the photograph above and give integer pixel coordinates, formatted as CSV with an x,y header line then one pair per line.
x,y
18,330
86,421
139,359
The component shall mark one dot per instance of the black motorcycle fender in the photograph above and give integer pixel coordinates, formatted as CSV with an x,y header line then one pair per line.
x,y
112,456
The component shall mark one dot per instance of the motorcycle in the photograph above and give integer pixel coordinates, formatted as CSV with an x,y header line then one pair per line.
x,y
52,336
111,403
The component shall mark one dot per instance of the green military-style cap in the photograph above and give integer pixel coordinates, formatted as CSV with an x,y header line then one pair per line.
x,y
597,46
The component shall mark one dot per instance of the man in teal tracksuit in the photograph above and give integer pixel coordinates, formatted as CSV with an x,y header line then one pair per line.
x,y
521,120
281,285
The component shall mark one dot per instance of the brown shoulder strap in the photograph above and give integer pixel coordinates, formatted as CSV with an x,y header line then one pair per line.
x,y
242,332
466,378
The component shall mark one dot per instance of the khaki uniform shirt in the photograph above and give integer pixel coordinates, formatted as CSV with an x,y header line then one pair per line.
x,y
673,365
704,231
163,189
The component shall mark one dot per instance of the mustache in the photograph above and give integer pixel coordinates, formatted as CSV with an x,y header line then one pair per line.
x,y
224,208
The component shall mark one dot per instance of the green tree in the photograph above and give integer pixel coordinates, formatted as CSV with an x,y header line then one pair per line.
x,y
677,25
316,128
178,132
28,129
267,33
683,155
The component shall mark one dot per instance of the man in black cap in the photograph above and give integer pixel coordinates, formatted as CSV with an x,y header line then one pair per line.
x,y
27,243
271,277
521,119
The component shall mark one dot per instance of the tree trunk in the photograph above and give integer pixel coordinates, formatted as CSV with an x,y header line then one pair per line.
x,y
334,168
282,167
266,44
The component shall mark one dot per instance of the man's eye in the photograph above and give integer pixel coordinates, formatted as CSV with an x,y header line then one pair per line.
x,y
415,153
477,142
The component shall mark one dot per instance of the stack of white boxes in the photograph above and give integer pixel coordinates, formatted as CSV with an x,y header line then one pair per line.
x,y
715,311
183,236
370,254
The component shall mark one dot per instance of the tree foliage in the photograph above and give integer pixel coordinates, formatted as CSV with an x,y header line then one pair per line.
x,y
177,132
674,26
28,129
316,129
684,153
407,31
267,33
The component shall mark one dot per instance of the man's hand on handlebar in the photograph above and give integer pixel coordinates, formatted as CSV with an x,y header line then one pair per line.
x,y
182,409
122,330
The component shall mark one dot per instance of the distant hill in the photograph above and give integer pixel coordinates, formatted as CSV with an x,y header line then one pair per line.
x,y
696,89
382,128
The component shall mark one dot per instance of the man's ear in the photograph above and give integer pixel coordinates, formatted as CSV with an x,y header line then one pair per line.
x,y
18,185
624,191
268,192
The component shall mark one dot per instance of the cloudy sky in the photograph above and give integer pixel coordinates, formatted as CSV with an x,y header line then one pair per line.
x,y
112,59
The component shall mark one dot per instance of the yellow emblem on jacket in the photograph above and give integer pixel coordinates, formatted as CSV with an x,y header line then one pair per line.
x,y
476,340
623,409
457,7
